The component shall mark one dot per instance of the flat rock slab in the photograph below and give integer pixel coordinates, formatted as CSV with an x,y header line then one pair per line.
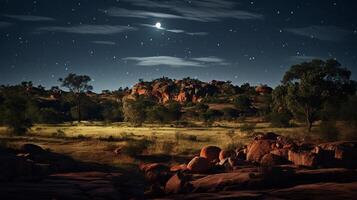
x,y
318,191
80,185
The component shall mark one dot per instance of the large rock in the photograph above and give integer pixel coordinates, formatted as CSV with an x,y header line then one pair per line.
x,y
304,158
156,172
258,148
198,165
226,154
178,183
222,181
271,160
211,153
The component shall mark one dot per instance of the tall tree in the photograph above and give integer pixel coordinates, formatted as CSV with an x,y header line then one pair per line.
x,y
78,85
306,87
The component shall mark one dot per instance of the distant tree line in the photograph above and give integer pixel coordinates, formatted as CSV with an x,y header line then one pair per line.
x,y
310,91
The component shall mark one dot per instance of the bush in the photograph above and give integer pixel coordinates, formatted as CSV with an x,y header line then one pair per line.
x,y
280,120
136,147
230,113
14,114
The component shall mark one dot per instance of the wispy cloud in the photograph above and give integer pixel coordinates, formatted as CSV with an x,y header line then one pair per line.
x,y
200,10
176,61
31,18
89,29
176,30
5,24
304,58
104,42
326,33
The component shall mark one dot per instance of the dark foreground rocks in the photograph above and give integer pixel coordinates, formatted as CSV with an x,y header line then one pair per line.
x,y
269,167
32,172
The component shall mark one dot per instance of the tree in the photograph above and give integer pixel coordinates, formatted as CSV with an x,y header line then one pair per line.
x,y
135,110
13,113
78,85
243,103
306,87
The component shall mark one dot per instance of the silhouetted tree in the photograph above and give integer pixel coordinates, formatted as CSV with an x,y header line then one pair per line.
x,y
78,85
306,87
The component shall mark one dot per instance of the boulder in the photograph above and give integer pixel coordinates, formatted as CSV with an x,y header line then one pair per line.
x,y
211,153
257,149
177,168
178,183
198,165
283,153
228,181
156,172
225,154
304,158
271,160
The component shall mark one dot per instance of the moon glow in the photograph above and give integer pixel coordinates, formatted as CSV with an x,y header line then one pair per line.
x,y
158,25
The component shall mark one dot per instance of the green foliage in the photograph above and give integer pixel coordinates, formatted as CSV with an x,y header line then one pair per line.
x,y
134,110
309,85
280,119
348,111
243,103
136,147
14,114
112,111
77,84
230,113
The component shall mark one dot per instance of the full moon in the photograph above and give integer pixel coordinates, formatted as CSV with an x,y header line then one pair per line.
x,y
158,25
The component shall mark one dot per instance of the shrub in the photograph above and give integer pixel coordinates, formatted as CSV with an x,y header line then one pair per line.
x,y
136,147
280,120
14,114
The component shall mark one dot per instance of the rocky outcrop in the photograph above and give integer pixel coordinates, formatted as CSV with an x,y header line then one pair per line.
x,y
186,90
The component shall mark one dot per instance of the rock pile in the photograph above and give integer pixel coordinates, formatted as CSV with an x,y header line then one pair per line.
x,y
268,161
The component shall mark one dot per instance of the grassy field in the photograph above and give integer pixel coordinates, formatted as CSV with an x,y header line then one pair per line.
x,y
96,141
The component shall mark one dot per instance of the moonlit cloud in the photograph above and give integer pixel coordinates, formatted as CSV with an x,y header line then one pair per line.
x,y
104,42
30,18
326,33
200,10
304,58
209,59
176,30
89,29
176,61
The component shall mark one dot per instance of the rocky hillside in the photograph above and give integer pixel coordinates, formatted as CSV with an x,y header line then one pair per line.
x,y
190,90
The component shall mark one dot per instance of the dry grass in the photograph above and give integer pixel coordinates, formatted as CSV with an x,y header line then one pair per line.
x,y
95,142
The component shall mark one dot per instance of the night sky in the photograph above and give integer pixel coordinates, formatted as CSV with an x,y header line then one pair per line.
x,y
117,42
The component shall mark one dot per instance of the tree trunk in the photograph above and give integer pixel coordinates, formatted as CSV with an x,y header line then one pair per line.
x,y
308,119
79,107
